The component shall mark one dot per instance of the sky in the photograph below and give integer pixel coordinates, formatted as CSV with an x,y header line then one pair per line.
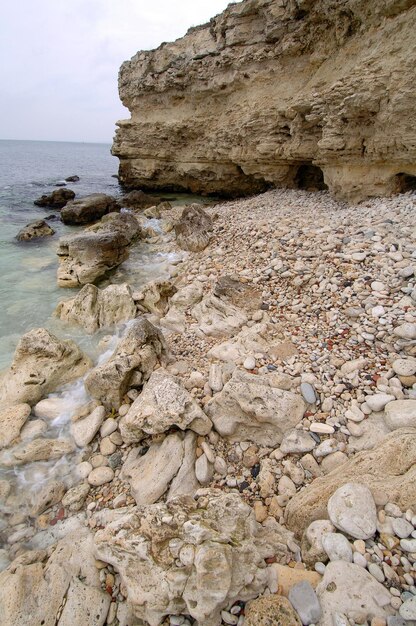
x,y
59,60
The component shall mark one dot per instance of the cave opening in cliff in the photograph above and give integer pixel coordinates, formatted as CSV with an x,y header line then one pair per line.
x,y
405,182
310,177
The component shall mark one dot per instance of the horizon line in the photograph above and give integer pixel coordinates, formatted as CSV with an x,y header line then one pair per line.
x,y
58,141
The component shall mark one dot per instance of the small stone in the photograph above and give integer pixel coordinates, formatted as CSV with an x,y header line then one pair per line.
x,y
408,545
107,447
376,571
249,363
228,618
406,331
83,469
204,470
297,442
305,602
401,527
100,476
408,609
337,547
322,429
352,510
404,367
308,393
108,427
378,401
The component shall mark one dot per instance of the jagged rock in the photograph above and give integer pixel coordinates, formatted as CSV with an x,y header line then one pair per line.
x,y
94,308
138,352
163,403
36,450
348,589
179,303
34,230
41,363
217,317
137,199
49,495
12,421
69,577
389,469
269,610
194,228
88,209
72,179
86,256
149,475
254,408
75,497
56,200
185,481
220,545
154,297
248,341
287,114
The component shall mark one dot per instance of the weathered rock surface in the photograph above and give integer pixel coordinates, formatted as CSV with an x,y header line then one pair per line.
x,y
137,199
89,255
219,544
69,577
36,450
400,414
179,303
268,610
163,403
94,308
88,209
389,469
254,408
138,352
85,429
56,200
12,421
154,297
217,317
41,363
35,230
193,230
261,95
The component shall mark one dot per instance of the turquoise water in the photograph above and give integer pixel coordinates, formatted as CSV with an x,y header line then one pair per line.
x,y
28,169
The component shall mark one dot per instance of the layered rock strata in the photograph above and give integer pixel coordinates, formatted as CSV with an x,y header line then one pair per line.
x,y
296,93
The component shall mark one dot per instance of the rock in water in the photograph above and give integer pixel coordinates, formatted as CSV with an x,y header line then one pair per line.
x,y
190,557
388,470
56,200
35,230
163,403
94,308
253,408
138,200
193,231
89,255
88,209
12,421
238,132
41,363
138,352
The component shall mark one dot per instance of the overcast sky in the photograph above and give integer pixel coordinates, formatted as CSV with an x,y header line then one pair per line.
x,y
59,60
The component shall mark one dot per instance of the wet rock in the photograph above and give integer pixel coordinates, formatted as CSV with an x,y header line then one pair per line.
x,y
50,408
35,230
252,408
268,610
88,209
163,403
74,178
36,450
230,548
390,468
94,308
41,363
12,421
49,495
56,200
194,228
137,354
85,257
85,429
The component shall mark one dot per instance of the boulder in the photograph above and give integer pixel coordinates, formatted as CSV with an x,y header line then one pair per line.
x,y
163,404
41,363
35,230
388,470
242,295
68,578
217,317
93,308
254,408
248,341
12,421
138,199
194,228
349,590
85,257
150,474
190,557
56,200
154,297
179,303
88,209
131,364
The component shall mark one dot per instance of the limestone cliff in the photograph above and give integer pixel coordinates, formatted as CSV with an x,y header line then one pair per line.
x,y
273,93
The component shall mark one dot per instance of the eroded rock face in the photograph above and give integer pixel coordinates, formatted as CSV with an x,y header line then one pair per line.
x,y
259,96
254,408
138,352
56,200
41,363
193,230
389,469
89,255
88,209
163,403
138,200
94,308
218,542
35,230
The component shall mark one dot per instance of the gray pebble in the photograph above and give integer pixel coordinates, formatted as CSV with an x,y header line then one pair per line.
x,y
305,602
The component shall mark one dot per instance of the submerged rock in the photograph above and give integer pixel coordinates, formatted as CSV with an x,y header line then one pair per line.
x,y
41,363
56,200
94,308
190,557
88,209
35,230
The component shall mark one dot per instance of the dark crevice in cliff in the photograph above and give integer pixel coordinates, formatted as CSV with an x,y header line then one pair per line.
x,y
405,182
310,177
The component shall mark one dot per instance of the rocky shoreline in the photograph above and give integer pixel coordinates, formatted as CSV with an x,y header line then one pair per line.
x,y
246,452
